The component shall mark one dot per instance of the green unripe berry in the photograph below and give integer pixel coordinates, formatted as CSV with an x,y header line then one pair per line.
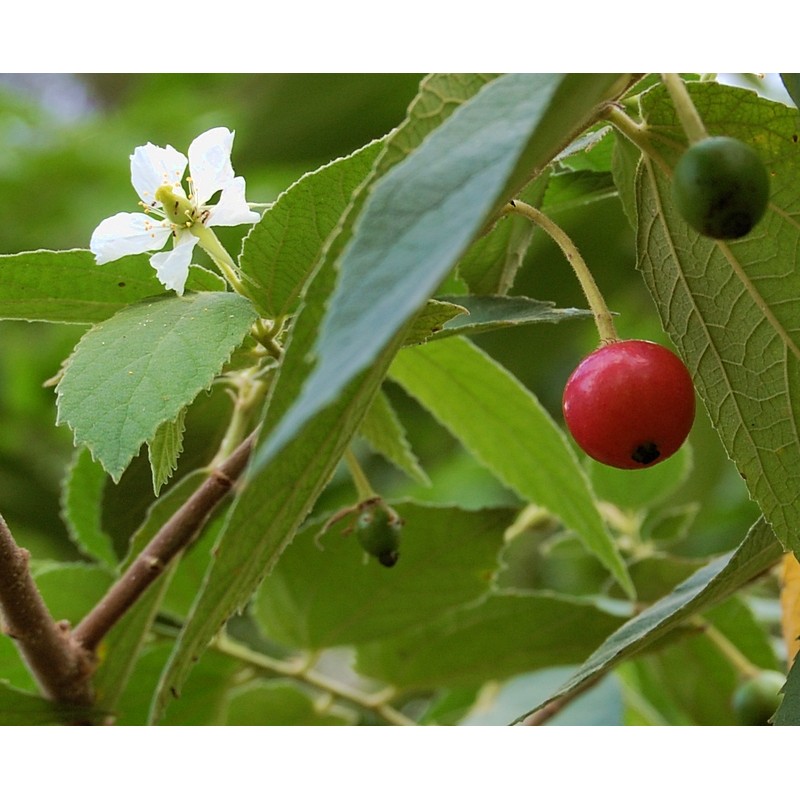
x,y
378,532
721,187
757,699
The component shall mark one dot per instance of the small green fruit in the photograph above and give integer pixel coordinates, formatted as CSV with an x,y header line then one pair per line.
x,y
378,532
758,698
721,187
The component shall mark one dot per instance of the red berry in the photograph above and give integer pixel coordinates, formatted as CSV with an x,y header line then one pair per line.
x,y
629,404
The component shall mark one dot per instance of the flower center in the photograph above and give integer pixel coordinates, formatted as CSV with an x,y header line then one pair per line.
x,y
177,208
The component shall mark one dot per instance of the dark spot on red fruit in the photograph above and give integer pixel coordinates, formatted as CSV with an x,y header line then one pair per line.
x,y
646,453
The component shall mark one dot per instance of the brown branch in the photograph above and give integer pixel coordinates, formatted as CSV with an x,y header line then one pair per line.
x,y
61,667
174,535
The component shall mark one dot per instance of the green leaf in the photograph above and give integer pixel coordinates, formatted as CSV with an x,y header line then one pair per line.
x,y
680,672
327,594
493,312
789,711
81,508
729,307
165,448
138,369
431,320
507,429
68,286
421,217
570,190
71,590
386,436
279,702
503,635
204,698
640,488
791,82
281,251
708,586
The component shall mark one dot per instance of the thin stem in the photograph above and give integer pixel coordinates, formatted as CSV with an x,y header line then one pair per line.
x,y
378,703
602,316
361,481
687,113
212,245
266,333
637,134
174,535
61,667
739,661
249,390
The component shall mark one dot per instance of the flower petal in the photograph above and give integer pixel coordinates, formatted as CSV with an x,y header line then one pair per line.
x,y
153,166
232,208
127,234
172,267
210,163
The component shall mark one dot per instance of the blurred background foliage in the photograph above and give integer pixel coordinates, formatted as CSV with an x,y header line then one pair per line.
x,y
65,142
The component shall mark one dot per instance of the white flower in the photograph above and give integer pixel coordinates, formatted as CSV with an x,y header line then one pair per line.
x,y
157,174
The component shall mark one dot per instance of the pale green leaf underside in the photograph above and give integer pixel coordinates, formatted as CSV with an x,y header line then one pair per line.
x,y
138,369
506,428
277,499
423,214
708,586
731,307
68,286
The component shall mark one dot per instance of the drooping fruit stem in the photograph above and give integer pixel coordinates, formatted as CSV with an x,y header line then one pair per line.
x,y
602,316
691,122
363,487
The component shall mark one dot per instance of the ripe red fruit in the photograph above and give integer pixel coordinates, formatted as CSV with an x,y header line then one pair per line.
x,y
630,404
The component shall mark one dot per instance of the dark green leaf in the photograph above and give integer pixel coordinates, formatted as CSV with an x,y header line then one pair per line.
x,y
81,508
501,636
329,594
68,286
730,306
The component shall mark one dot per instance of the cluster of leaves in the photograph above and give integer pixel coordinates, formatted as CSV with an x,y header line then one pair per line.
x,y
385,270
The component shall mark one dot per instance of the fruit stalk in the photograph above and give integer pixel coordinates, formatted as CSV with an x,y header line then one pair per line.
x,y
691,122
602,316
